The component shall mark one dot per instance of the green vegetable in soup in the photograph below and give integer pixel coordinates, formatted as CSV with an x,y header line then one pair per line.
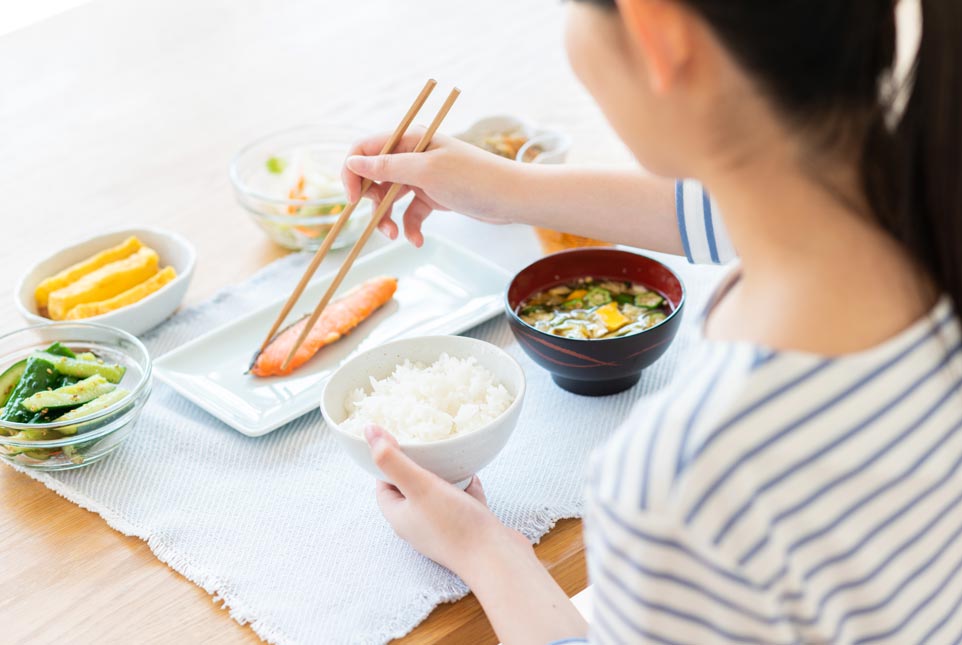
x,y
597,297
649,300
591,309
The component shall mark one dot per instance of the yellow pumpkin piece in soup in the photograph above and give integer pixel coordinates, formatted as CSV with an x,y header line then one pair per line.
x,y
577,294
76,271
610,317
105,282
135,294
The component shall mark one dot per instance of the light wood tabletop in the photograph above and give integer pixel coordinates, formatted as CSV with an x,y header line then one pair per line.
x,y
126,113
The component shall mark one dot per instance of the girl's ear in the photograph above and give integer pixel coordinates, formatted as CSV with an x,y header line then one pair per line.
x,y
661,31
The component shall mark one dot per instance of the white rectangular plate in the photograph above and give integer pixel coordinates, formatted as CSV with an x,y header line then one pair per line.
x,y
442,289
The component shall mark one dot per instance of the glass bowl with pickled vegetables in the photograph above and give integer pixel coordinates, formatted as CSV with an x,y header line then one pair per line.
x,y
70,393
290,183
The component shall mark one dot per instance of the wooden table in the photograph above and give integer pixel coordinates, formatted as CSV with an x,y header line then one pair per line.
x,y
126,113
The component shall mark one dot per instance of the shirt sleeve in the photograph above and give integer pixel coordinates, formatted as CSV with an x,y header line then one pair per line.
x,y
703,234
655,582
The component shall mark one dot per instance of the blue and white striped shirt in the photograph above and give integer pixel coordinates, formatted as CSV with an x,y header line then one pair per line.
x,y
782,497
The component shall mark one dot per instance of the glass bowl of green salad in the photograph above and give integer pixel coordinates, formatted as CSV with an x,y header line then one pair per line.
x,y
290,183
70,393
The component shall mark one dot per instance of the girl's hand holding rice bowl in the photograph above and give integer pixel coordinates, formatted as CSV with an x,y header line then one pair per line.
x,y
451,403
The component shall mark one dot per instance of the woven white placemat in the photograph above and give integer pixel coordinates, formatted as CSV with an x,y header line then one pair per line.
x,y
284,529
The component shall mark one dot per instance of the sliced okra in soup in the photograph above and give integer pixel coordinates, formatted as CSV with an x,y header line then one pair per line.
x,y
649,300
615,287
597,296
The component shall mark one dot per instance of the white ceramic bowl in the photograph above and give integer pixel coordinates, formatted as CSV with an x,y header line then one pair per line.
x,y
553,143
454,459
138,317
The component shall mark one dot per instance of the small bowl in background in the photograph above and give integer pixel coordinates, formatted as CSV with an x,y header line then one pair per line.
x,y
603,366
88,439
135,318
300,224
455,459
543,145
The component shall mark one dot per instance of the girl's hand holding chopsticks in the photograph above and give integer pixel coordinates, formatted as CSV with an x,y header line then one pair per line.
x,y
451,175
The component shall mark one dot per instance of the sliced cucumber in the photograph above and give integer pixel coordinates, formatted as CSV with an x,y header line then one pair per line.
x,y
69,396
102,402
9,380
60,350
40,376
83,369
88,357
73,454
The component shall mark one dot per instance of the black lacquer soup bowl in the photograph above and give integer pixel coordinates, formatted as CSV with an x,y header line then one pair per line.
x,y
600,366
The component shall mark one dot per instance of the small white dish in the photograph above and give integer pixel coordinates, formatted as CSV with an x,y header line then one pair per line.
x,y
454,459
137,318
554,144
442,289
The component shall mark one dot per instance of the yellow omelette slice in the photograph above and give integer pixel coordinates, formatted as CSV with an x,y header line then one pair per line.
x,y
106,282
135,294
76,271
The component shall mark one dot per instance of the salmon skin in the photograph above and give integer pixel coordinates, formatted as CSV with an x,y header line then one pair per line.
x,y
337,320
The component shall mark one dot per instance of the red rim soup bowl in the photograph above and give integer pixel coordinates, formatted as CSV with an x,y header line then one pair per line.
x,y
602,366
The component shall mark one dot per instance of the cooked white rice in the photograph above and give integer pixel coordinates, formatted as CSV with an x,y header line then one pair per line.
x,y
429,402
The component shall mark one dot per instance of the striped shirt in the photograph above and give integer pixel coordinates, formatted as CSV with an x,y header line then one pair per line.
x,y
783,497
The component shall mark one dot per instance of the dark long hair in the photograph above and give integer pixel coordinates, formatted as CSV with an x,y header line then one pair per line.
x,y
821,63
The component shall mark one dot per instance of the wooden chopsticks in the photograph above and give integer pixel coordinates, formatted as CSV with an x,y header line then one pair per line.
x,y
383,208
319,255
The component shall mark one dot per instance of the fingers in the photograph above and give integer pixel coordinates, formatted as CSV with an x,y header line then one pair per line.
x,y
398,168
386,225
372,146
388,228
475,490
414,216
387,494
409,478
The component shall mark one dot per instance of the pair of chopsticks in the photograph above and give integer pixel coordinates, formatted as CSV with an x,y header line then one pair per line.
x,y
379,213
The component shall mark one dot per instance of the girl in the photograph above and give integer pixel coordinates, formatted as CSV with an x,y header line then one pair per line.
x,y
803,483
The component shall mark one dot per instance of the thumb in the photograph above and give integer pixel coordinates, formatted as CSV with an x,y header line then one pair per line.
x,y
406,475
400,168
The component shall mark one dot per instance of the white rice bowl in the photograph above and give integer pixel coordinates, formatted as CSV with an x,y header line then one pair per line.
x,y
424,403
